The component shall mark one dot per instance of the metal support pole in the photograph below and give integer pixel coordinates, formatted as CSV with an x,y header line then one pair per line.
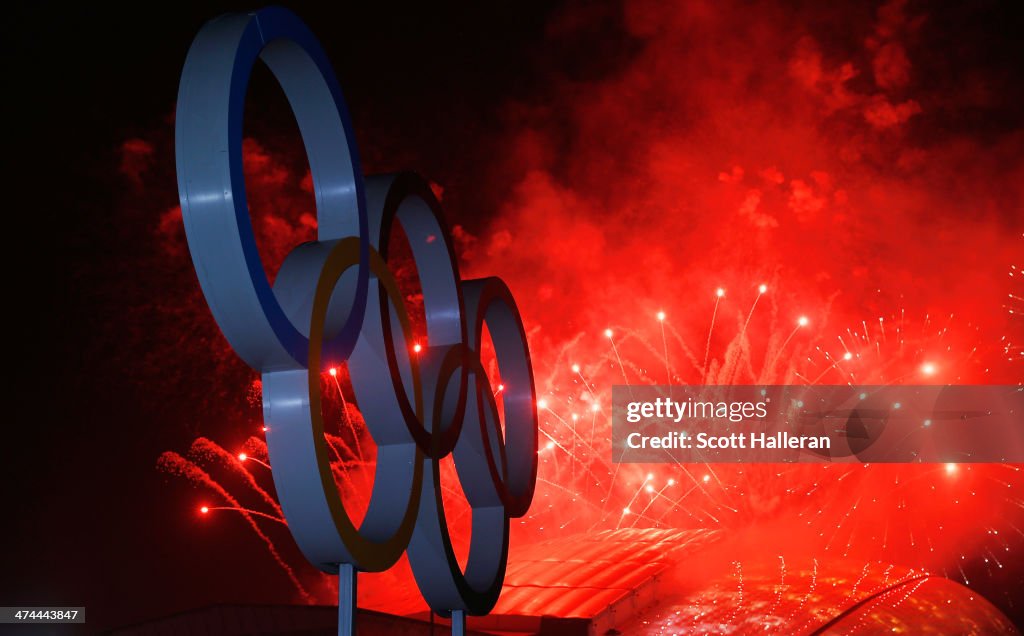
x,y
458,623
346,600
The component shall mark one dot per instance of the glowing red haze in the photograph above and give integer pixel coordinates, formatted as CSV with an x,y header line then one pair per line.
x,y
856,160
744,143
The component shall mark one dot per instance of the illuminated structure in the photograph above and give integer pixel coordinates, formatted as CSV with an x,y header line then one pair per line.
x,y
335,300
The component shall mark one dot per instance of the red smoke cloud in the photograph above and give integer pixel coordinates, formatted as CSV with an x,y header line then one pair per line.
x,y
744,143
822,151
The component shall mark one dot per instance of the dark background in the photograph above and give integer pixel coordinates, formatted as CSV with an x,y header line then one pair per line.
x,y
87,519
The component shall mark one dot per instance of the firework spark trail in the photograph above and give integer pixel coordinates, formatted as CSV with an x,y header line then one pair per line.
x,y
568,452
576,435
347,459
734,355
768,368
338,445
203,446
738,605
821,375
609,335
779,588
575,459
342,472
343,467
707,346
562,358
576,369
1010,344
242,457
250,511
350,422
642,376
654,497
572,493
333,373
750,314
627,509
677,338
842,343
842,521
810,592
675,505
175,464
637,336
664,347
627,512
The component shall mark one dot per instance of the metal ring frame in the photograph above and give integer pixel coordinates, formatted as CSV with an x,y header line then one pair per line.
x,y
336,300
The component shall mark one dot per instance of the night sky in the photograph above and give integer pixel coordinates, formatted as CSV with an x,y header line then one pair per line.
x,y
90,520
115,358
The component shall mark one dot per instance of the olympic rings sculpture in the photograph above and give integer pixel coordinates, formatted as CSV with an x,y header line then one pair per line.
x,y
336,299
